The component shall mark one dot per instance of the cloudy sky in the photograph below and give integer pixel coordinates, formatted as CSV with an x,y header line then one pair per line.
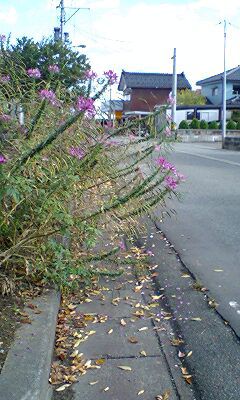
x,y
137,35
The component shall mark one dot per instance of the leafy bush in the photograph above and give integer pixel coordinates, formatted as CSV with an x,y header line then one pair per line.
x,y
238,125
203,124
183,125
231,125
65,182
195,124
213,125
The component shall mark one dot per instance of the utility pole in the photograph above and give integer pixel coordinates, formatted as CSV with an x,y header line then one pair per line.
x,y
59,32
224,112
174,88
62,19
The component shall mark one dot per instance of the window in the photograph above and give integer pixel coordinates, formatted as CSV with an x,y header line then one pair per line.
x,y
215,91
236,89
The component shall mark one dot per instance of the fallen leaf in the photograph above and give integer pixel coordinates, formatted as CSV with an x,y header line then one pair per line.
x,y
141,392
63,387
154,274
157,297
72,306
100,361
32,306
93,383
125,367
106,389
88,300
196,319
133,339
177,342
143,353
188,379
123,323
25,321
218,270
189,354
185,276
164,396
110,331
144,328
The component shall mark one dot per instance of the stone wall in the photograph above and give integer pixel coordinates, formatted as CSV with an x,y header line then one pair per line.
x,y
199,135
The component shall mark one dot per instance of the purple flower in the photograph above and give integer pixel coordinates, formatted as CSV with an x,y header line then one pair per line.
x,y
34,73
77,152
49,95
111,76
3,160
4,78
2,38
168,131
54,68
86,105
170,182
162,162
5,118
150,253
90,74
122,245
180,177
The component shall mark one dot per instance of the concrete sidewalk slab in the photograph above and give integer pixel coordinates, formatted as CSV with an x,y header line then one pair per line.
x,y
149,374
117,344
26,370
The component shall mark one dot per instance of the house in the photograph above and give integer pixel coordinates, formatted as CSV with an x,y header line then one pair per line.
x,y
142,91
212,87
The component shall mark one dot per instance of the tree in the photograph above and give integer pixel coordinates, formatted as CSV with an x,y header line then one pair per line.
x,y
30,54
190,97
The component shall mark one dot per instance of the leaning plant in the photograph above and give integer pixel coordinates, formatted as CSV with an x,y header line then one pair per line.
x,y
65,181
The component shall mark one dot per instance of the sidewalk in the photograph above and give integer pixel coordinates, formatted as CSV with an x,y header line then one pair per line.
x,y
126,345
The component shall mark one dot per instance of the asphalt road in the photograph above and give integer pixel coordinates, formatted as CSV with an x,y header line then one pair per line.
x,y
206,228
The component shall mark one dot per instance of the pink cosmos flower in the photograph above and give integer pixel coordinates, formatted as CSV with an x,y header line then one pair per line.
x,y
50,96
5,118
170,182
157,147
86,105
171,99
3,159
4,78
77,152
34,73
111,76
90,74
54,68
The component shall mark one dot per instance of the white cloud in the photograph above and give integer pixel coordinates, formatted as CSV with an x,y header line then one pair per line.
x,y
8,15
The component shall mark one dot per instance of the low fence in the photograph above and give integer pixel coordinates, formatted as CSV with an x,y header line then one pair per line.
x,y
199,135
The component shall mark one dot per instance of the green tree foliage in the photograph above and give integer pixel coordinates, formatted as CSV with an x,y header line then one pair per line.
x,y
238,126
203,124
72,65
195,124
213,125
190,97
183,125
231,125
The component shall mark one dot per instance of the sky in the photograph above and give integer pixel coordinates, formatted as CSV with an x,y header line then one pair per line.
x,y
137,36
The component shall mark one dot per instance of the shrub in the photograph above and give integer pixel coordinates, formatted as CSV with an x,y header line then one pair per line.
x,y
195,124
203,124
238,126
213,125
231,125
183,125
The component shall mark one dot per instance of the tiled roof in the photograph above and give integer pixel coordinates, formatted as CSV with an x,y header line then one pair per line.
x,y
232,75
151,81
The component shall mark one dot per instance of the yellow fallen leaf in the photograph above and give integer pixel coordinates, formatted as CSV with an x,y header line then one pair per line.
x,y
157,297
144,328
196,319
141,392
88,300
143,353
110,331
106,389
90,333
218,270
123,323
93,383
189,354
63,387
125,367
185,276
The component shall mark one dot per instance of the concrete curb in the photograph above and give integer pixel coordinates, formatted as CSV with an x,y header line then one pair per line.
x,y
26,370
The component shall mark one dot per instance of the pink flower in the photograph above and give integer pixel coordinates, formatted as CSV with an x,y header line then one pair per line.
x,y
150,253
77,152
5,118
122,245
3,159
180,177
90,74
157,147
86,105
168,131
34,73
50,96
54,68
171,100
4,78
170,182
111,76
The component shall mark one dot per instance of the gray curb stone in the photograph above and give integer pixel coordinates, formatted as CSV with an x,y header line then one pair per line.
x,y
26,370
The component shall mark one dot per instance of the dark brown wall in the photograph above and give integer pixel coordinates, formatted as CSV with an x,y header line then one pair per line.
x,y
146,99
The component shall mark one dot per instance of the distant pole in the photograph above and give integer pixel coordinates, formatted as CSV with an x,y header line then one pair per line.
x,y
174,88
224,86
62,19
110,104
